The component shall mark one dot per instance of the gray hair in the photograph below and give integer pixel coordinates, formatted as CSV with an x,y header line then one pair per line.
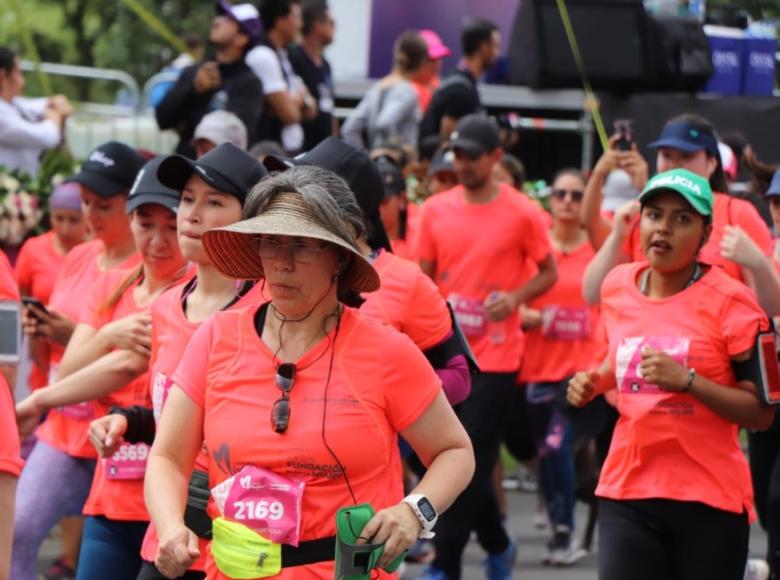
x,y
328,197
327,194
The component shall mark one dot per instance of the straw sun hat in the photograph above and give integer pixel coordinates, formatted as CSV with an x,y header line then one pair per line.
x,y
233,249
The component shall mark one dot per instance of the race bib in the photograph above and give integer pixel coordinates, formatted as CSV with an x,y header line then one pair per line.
x,y
629,356
78,411
161,386
326,99
129,462
561,323
470,314
268,503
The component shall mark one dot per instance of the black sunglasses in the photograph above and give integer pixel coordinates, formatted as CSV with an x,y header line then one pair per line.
x,y
280,412
560,194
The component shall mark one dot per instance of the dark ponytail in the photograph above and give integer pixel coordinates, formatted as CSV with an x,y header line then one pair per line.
x,y
718,178
761,173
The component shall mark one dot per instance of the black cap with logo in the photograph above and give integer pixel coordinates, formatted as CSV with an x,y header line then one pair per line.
x,y
476,135
392,177
110,169
148,189
356,168
226,168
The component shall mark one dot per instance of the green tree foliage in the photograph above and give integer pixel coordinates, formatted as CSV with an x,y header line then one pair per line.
x,y
103,34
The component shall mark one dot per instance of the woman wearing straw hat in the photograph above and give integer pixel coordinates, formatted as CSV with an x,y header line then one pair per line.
x,y
300,395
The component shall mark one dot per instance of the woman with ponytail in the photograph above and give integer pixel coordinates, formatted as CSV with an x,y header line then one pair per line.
x,y
105,365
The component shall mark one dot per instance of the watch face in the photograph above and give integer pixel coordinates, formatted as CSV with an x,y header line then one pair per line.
x,y
426,509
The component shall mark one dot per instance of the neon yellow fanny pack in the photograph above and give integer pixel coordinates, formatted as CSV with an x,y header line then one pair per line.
x,y
241,553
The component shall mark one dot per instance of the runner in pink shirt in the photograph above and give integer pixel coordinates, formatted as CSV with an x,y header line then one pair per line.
x,y
208,200
62,452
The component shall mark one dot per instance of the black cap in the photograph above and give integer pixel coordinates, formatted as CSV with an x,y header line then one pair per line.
x,y
442,161
391,175
356,168
476,135
110,169
148,189
225,168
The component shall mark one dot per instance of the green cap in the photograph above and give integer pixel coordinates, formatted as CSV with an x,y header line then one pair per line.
x,y
694,188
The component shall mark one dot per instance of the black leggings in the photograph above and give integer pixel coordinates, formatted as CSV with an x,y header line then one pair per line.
x,y
149,572
765,469
484,415
661,539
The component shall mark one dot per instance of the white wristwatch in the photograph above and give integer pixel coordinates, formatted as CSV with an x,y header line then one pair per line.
x,y
425,512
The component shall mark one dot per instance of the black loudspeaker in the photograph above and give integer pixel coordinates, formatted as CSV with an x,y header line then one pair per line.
x,y
623,48
612,36
681,54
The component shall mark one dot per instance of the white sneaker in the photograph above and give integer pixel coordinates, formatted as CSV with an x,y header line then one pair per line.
x,y
756,570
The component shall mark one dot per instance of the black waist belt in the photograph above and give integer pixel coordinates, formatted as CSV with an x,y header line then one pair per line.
x,y
311,552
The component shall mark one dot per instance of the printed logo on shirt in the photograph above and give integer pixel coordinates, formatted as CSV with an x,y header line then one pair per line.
x,y
102,158
629,357
161,387
308,467
221,457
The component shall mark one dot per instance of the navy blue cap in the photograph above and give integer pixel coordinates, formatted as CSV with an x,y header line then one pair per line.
x,y
148,189
774,187
685,137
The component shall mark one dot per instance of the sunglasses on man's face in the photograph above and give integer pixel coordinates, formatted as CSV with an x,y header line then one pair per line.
x,y
280,412
560,194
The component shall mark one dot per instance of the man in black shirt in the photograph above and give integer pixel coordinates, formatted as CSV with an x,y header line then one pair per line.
x,y
223,83
457,95
309,63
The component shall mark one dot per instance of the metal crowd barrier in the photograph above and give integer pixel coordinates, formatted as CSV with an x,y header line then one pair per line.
x,y
133,122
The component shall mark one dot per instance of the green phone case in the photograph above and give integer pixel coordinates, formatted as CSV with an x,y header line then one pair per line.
x,y
355,562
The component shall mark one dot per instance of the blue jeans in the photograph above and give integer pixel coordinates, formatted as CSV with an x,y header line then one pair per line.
x,y
554,438
52,485
110,549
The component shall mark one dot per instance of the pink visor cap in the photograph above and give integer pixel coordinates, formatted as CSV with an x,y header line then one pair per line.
x,y
436,47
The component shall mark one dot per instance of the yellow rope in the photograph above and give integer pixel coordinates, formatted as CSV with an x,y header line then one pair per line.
x,y
591,101
156,24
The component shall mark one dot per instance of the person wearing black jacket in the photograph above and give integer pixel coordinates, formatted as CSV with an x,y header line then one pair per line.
x,y
309,63
223,83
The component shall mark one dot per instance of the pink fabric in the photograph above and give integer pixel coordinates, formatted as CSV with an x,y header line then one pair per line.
x,y
436,47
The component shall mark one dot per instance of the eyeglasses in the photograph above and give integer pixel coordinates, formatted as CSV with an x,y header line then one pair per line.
x,y
560,194
268,248
280,412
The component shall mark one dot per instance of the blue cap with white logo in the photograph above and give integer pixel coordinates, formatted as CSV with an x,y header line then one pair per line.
x,y
686,137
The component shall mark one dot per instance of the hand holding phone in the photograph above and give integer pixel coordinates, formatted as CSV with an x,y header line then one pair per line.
x,y
34,306
624,128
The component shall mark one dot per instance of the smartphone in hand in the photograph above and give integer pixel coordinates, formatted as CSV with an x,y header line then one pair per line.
x,y
29,301
624,128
